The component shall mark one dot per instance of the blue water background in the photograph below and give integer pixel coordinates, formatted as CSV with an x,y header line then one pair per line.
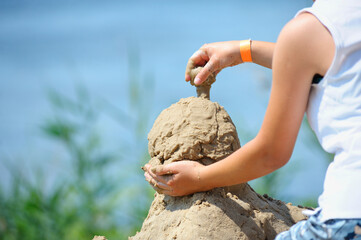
x,y
59,44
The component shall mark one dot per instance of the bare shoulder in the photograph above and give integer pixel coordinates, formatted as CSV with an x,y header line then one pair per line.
x,y
309,42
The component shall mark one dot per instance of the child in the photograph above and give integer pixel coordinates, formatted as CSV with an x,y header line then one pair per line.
x,y
324,40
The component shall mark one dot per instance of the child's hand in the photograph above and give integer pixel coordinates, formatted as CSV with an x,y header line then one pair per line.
x,y
214,57
175,179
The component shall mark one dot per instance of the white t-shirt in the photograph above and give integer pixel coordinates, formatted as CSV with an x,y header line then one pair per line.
x,y
334,108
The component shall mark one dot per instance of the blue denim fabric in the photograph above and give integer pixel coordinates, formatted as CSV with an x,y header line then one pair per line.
x,y
315,229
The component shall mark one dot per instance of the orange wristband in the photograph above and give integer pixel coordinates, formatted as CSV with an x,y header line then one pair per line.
x,y
245,50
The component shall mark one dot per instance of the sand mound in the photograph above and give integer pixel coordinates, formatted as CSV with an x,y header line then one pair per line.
x,y
218,214
200,130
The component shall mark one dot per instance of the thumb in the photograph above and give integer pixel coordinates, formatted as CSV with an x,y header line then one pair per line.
x,y
207,70
163,169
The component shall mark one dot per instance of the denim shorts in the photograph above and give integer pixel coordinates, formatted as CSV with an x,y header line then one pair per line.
x,y
314,228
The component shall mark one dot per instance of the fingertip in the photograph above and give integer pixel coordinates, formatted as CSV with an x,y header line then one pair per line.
x,y
198,81
187,78
147,177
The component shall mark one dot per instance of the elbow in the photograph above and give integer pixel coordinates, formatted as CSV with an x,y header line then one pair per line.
x,y
274,157
276,161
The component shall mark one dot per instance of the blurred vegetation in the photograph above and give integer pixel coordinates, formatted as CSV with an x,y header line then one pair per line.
x,y
101,191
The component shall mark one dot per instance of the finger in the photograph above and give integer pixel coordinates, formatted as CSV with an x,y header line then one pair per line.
x,y
148,178
189,67
151,174
152,181
208,69
199,58
165,179
155,180
146,167
164,186
164,169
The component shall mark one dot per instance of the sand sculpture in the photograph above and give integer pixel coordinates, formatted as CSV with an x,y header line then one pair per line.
x,y
198,129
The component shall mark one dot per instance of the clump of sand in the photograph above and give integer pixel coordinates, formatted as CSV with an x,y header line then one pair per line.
x,y
201,130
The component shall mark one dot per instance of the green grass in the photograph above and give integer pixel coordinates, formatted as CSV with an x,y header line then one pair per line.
x,y
101,191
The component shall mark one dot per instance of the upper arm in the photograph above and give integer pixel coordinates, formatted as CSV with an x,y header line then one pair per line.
x,y
297,57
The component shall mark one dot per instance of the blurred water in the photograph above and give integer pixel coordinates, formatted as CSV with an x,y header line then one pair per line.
x,y
58,44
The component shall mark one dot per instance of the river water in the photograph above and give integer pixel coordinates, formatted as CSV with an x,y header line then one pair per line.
x,y
60,44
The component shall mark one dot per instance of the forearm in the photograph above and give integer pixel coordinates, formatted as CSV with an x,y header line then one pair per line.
x,y
216,56
247,163
262,53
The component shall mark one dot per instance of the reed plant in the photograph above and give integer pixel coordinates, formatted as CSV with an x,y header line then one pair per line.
x,y
100,189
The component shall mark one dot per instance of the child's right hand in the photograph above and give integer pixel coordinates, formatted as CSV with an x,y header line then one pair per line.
x,y
214,57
